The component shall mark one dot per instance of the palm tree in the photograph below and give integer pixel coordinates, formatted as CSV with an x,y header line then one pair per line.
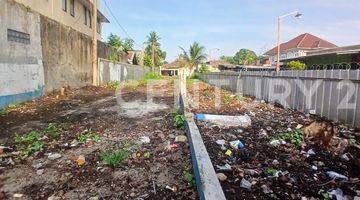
x,y
153,47
194,57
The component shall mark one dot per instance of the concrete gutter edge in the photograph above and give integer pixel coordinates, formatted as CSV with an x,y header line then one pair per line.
x,y
207,183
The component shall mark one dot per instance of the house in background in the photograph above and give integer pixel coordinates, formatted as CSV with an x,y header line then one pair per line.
x,y
298,47
76,14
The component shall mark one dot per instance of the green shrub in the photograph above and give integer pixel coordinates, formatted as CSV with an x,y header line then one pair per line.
x,y
29,144
114,159
296,65
3,113
179,119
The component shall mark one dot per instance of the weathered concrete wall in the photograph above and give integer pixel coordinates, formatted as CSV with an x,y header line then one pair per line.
x,y
67,55
21,67
117,71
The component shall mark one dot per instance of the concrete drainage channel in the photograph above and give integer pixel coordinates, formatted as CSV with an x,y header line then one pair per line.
x,y
207,183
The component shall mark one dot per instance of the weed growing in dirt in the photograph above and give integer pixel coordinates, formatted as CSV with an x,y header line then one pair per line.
x,y
294,137
114,159
11,106
3,113
190,82
89,135
206,92
53,131
240,98
270,171
324,194
228,98
179,119
29,144
351,141
190,178
113,85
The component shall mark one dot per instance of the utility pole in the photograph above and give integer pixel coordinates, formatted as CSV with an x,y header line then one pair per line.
x,y
94,45
278,46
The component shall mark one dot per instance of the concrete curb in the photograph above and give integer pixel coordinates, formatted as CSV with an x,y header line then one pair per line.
x,y
207,183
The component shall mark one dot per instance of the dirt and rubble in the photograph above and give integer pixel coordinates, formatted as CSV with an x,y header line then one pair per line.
x,y
54,147
274,161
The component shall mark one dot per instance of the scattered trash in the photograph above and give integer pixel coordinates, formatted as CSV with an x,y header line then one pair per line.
x,y
222,144
338,194
311,152
266,189
275,162
345,157
16,195
221,176
74,143
181,138
225,120
245,184
40,171
277,142
299,126
80,160
174,189
313,167
225,167
237,144
228,152
333,174
145,139
174,146
263,133
54,156
250,172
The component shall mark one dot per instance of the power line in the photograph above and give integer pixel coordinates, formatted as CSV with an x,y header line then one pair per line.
x,y
118,23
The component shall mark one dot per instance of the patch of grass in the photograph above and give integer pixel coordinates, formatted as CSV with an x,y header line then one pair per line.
x,y
228,98
32,137
190,82
89,135
190,178
270,171
113,85
294,137
115,159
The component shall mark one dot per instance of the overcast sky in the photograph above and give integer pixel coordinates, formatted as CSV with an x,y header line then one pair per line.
x,y
232,24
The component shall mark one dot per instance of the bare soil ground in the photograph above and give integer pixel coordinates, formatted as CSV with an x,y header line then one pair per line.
x,y
153,170
275,172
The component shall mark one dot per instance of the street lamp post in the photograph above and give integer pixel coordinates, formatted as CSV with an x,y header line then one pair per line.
x,y
297,15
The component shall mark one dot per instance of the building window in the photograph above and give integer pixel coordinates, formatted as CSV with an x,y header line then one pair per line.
x,y
98,25
16,36
64,5
72,8
90,24
85,16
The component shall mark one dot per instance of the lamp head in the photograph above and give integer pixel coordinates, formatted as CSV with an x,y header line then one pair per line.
x,y
298,15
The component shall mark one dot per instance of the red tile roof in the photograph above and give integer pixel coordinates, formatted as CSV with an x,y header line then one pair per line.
x,y
303,41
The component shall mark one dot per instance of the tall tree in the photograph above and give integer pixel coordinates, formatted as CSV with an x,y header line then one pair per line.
x,y
124,45
195,56
153,49
245,56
